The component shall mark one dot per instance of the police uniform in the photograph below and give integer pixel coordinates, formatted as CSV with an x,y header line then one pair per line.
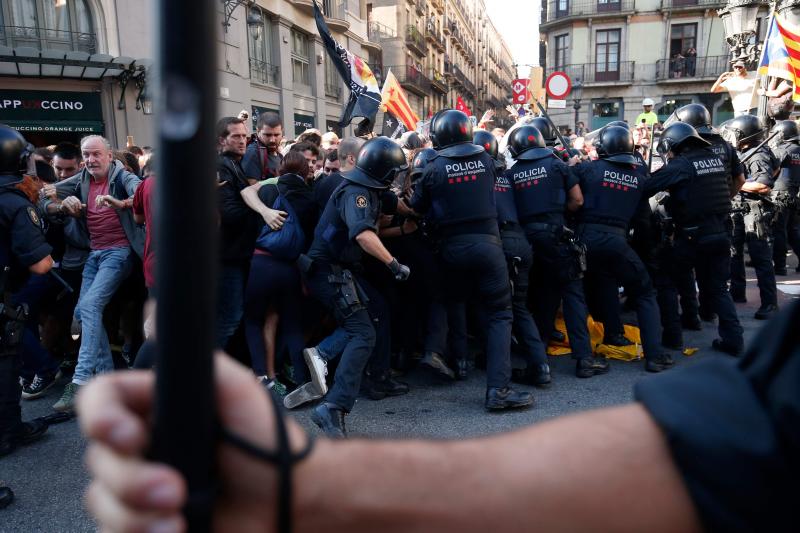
x,y
754,229
786,226
22,244
700,206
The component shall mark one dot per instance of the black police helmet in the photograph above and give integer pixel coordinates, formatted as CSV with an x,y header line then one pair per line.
x,y
15,153
620,123
486,140
543,125
450,127
678,137
745,129
377,164
788,131
527,143
697,116
615,143
419,163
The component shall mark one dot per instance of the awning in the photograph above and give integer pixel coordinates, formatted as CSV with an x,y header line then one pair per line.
x,y
55,126
32,62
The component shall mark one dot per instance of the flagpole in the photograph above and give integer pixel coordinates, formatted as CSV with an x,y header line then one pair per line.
x,y
762,78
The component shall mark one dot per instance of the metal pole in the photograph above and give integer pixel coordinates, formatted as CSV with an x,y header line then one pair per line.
x,y
184,434
564,143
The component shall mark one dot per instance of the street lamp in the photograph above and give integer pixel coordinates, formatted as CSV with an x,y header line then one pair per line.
x,y
576,94
253,18
739,20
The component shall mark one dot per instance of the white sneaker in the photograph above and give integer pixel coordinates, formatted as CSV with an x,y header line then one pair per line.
x,y
318,368
305,393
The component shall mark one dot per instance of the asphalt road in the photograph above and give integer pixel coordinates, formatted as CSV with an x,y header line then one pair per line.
x,y
49,479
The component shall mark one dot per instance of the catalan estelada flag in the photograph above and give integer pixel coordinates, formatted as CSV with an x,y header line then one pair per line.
x,y
774,57
394,100
791,40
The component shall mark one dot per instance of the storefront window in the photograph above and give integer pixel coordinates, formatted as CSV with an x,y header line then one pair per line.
x,y
669,106
605,111
723,112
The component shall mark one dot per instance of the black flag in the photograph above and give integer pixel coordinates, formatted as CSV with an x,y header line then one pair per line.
x,y
392,127
365,96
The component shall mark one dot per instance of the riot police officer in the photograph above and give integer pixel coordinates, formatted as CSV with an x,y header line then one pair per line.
x,y
544,188
23,249
753,213
456,190
332,271
613,187
700,206
519,259
786,226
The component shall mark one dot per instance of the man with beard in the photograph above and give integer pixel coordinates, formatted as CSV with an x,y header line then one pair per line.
x,y
263,158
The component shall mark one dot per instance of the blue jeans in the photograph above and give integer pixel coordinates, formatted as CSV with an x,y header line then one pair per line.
x,y
230,302
104,272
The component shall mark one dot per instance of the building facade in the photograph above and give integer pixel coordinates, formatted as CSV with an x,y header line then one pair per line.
x,y
618,52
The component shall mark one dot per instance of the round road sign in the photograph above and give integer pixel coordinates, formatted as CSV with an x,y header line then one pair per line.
x,y
558,85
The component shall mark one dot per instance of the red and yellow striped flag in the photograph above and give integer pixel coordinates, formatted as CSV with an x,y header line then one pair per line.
x,y
394,100
791,38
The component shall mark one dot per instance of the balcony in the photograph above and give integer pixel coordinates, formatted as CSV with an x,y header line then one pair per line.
x,y
380,32
421,7
438,81
48,39
564,10
264,73
412,79
620,73
683,71
688,5
459,76
469,87
438,5
415,40
335,16
448,69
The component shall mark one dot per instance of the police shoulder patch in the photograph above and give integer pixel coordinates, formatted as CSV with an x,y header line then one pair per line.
x,y
34,216
361,201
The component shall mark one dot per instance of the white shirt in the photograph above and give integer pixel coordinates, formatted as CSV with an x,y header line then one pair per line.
x,y
741,91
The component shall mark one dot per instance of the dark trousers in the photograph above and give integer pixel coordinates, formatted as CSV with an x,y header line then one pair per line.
x,y
34,358
274,283
760,251
786,229
710,257
363,324
9,390
609,256
519,258
475,264
551,259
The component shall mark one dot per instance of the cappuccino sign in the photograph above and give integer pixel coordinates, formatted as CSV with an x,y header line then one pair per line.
x,y
55,106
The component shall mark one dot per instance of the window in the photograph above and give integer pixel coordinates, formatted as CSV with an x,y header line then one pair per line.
x,y
608,5
670,105
605,111
300,59
333,82
562,9
607,55
681,38
562,50
48,24
260,39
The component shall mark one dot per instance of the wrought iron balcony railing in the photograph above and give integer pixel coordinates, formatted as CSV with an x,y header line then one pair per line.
x,y
377,31
264,73
689,68
563,9
412,79
415,40
591,73
678,4
48,39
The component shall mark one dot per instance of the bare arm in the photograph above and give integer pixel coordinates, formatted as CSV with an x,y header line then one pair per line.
x,y
574,198
371,243
273,218
42,267
755,187
717,87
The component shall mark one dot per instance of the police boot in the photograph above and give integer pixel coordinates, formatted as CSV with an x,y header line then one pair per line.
x,y
462,369
659,363
691,322
726,347
616,339
6,496
20,435
558,336
707,316
330,419
672,339
433,362
766,311
536,375
380,386
591,366
506,398
781,271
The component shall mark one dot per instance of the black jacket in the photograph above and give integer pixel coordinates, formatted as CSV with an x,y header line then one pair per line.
x,y
238,224
300,196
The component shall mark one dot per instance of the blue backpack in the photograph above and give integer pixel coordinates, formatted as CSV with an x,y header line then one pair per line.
x,y
287,242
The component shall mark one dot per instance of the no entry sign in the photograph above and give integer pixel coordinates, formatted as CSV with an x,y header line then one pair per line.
x,y
558,85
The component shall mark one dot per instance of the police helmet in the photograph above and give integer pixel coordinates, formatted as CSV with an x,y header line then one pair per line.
x,y
678,137
615,143
419,163
487,141
788,131
695,115
620,123
450,127
527,144
377,164
15,153
745,129
411,140
544,126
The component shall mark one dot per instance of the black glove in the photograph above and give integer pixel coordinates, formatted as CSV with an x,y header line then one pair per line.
x,y
401,272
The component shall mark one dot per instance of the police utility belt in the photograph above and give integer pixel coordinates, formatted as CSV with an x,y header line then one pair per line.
x,y
349,297
566,236
12,326
784,200
757,213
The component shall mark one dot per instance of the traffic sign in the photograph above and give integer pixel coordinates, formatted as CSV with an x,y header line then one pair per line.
x,y
520,90
558,85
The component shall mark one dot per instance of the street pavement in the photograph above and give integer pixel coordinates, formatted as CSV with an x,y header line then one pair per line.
x,y
49,478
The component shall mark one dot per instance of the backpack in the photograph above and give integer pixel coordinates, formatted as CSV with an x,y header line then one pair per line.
x,y
287,242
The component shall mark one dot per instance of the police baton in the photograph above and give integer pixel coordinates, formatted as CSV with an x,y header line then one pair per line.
x,y
184,427
754,150
566,146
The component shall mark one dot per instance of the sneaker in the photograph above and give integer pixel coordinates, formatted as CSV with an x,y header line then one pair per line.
x,y
37,387
318,368
274,387
67,401
308,392
659,363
